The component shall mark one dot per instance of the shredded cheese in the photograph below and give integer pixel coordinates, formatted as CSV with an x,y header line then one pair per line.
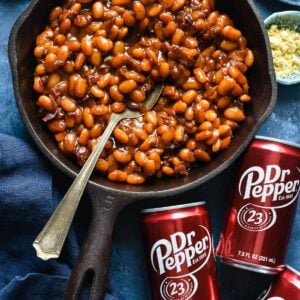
x,y
285,45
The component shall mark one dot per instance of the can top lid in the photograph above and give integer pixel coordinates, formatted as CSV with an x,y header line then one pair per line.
x,y
164,208
293,270
259,137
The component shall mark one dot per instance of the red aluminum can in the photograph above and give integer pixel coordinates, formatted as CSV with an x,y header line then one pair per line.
x,y
264,201
286,286
180,253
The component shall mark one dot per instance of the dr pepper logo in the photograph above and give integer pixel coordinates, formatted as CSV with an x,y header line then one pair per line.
x,y
271,186
174,254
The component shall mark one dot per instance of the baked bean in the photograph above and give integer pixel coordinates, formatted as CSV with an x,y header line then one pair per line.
x,y
179,133
204,135
202,155
79,61
189,96
249,59
139,10
68,104
151,117
225,130
70,121
57,126
118,107
140,157
231,33
137,96
216,146
189,114
236,74
103,43
145,65
117,175
55,13
89,67
140,133
87,46
59,137
170,29
177,5
53,80
234,114
69,67
69,142
50,62
168,171
127,86
228,45
120,136
210,115
115,94
201,25
226,86
95,131
149,128
99,110
112,164
98,10
101,165
63,54
96,57
39,51
200,75
80,87
245,98
84,137
149,167
225,142
187,155
135,179
65,25
206,125
122,156
38,85
88,118
154,10
119,47
191,83
96,92
177,37
46,103
78,115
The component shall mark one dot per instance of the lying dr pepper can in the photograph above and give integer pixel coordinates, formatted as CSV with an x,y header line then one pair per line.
x,y
286,286
264,201
180,253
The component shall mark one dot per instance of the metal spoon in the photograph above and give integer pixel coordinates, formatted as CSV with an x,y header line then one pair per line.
x,y
49,242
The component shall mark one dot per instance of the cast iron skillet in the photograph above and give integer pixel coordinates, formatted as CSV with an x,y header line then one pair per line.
x,y
109,198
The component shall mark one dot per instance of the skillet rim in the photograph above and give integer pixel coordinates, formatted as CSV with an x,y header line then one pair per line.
x,y
13,59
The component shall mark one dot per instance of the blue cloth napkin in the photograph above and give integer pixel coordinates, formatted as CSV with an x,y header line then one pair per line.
x,y
27,198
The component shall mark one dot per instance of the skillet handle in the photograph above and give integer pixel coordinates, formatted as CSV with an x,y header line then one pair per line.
x,y
95,252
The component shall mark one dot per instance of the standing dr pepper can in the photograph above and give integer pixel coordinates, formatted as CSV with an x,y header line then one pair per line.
x,y
264,201
180,254
286,286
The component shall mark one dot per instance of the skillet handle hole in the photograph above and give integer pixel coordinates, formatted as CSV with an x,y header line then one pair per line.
x,y
87,285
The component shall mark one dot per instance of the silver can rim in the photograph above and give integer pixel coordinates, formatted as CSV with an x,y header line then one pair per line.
x,y
284,142
237,263
171,207
292,269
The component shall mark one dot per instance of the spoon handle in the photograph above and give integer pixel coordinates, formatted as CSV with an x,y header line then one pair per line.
x,y
49,242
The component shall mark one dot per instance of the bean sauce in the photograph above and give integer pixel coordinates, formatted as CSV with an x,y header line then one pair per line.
x,y
95,58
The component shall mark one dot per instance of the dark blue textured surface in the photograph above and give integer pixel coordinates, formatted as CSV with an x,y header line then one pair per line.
x,y
127,262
